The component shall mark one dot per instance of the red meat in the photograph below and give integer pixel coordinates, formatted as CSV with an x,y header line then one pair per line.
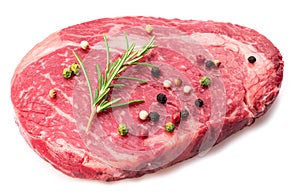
x,y
239,93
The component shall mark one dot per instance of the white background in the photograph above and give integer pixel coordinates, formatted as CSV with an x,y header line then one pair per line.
x,y
262,159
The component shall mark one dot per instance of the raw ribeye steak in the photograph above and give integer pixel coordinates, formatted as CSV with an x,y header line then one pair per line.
x,y
202,82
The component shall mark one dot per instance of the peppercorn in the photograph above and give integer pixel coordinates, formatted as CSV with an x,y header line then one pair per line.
x,y
217,63
75,68
161,98
209,64
153,116
123,129
199,102
144,133
205,81
84,45
176,117
52,93
143,115
169,127
67,73
155,72
184,114
149,28
251,59
177,82
167,84
187,89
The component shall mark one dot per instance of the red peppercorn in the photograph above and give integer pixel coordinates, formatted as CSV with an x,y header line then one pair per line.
x,y
176,117
144,133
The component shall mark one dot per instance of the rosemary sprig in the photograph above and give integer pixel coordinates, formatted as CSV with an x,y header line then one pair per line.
x,y
99,100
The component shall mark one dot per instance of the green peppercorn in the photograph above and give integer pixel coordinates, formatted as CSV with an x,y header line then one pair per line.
x,y
205,81
67,73
75,68
123,129
169,127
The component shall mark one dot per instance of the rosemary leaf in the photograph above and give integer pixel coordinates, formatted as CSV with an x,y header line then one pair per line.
x,y
127,103
122,69
107,52
133,54
99,76
101,96
147,47
144,64
117,85
132,79
126,40
86,76
96,93
107,105
130,49
134,60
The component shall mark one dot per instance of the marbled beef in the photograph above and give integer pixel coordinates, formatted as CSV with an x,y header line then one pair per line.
x,y
240,91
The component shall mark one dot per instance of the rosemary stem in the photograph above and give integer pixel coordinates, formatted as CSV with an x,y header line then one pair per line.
x,y
91,119
99,100
86,77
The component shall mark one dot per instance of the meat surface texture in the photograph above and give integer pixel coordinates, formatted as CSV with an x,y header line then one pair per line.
x,y
239,93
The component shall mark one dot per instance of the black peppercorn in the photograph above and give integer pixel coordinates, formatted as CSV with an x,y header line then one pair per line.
x,y
199,102
155,72
184,114
153,116
251,59
161,98
209,64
